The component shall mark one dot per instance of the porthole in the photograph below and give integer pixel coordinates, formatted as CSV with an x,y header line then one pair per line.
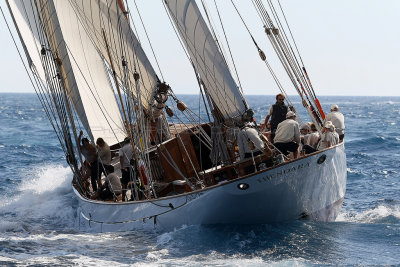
x,y
321,159
243,186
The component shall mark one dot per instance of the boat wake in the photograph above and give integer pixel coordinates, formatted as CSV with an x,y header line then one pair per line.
x,y
44,201
383,213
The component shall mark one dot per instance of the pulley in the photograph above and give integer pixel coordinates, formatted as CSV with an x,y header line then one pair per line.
x,y
181,106
169,111
136,76
262,55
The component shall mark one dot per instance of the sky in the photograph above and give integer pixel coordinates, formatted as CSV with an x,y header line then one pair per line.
x,y
349,47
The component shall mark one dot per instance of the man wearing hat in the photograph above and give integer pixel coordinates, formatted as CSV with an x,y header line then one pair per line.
x,y
287,137
337,119
329,137
249,142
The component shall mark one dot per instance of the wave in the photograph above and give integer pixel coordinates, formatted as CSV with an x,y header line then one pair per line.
x,y
44,201
380,214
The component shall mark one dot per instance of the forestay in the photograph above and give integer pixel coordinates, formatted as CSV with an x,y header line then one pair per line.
x,y
207,58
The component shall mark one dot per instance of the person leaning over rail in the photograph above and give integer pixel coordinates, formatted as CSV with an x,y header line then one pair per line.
x,y
88,150
287,138
249,142
337,119
277,113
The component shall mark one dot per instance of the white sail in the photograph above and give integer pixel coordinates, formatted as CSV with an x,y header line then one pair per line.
x,y
105,15
24,15
92,84
206,57
81,66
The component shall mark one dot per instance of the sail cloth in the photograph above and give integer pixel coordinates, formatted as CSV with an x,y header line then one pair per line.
x,y
24,15
82,68
207,58
125,49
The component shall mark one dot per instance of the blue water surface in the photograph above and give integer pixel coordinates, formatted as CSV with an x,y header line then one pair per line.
x,y
38,208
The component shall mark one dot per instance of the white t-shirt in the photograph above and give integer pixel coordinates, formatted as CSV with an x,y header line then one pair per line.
x,y
333,137
312,139
287,131
126,152
105,154
337,119
244,136
114,183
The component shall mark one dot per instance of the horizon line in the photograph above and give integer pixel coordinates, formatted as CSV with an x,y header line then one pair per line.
x,y
244,94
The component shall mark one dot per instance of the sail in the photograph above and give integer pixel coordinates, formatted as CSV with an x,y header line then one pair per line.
x,y
127,54
82,68
24,15
207,58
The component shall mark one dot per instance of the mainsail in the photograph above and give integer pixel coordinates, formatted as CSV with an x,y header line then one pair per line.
x,y
127,54
207,58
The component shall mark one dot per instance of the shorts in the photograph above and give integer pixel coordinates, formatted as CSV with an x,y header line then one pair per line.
x,y
126,176
286,148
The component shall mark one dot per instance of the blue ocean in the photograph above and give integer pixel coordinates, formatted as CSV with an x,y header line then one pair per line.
x,y
38,207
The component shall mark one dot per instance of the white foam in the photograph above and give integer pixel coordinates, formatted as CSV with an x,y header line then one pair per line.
x,y
217,259
45,195
374,215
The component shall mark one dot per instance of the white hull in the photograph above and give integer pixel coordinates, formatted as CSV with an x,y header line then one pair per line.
x,y
295,190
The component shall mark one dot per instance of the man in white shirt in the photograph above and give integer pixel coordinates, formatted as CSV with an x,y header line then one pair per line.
x,y
311,144
329,137
249,142
287,137
337,119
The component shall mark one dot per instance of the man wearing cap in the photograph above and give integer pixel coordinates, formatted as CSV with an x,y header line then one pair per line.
x,y
328,137
304,133
277,113
287,137
337,119
249,142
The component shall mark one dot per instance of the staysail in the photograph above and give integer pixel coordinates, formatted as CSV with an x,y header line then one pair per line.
x,y
24,15
207,58
82,68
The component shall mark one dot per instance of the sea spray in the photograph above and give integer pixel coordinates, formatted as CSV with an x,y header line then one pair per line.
x,y
44,199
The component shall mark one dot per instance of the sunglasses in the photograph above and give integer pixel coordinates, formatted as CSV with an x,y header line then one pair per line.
x,y
281,99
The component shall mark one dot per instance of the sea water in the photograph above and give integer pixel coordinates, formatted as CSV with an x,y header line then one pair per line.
x,y
38,208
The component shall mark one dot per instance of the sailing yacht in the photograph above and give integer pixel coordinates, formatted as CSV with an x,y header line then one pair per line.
x,y
91,74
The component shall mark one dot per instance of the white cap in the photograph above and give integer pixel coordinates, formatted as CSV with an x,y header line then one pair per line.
x,y
305,127
329,125
335,107
290,114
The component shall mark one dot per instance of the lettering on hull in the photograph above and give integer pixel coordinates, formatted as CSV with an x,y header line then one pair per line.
x,y
283,172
